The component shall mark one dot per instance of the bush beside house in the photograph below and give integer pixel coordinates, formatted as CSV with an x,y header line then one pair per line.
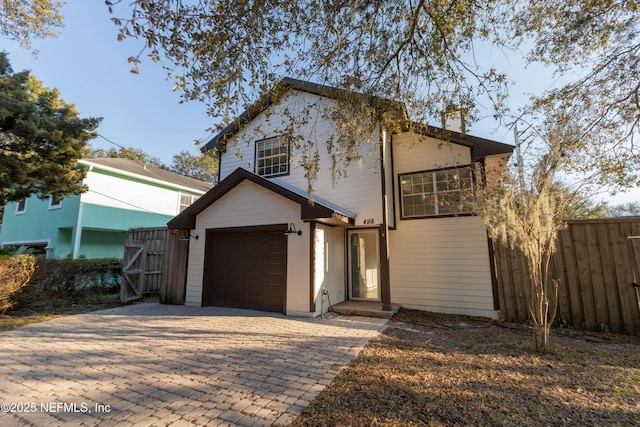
x,y
15,272
61,282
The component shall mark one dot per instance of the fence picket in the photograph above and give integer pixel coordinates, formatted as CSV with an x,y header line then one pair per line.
x,y
594,264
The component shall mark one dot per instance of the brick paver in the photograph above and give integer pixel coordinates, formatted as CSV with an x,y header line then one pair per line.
x,y
152,364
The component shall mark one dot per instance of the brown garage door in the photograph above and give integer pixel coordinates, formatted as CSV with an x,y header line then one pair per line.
x,y
246,268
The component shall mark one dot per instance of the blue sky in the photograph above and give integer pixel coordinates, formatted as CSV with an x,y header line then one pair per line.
x,y
89,67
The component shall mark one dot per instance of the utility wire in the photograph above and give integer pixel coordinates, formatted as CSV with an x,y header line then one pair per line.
x,y
140,158
130,204
111,142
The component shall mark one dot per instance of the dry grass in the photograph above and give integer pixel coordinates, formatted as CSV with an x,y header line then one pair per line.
x,y
41,311
438,370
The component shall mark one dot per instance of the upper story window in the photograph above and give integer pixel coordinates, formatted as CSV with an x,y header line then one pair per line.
x,y
272,157
186,200
54,204
436,193
21,206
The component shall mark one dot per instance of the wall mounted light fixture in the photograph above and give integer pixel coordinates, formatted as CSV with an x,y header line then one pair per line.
x,y
292,230
188,236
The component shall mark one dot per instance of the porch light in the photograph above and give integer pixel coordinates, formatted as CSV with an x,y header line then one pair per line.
x,y
188,236
292,230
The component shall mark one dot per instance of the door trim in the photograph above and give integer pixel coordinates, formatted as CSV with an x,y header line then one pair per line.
x,y
376,233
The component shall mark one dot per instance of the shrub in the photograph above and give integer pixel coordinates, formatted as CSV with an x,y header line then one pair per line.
x,y
15,272
70,280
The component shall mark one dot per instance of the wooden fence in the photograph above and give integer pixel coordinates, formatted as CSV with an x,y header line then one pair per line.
x,y
597,264
155,260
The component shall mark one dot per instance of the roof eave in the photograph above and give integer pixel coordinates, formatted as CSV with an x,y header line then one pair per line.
x,y
186,220
480,147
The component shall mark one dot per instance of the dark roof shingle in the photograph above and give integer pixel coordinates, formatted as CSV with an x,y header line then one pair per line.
x,y
149,171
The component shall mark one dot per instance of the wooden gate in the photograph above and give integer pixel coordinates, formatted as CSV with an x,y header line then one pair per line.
x,y
155,260
132,271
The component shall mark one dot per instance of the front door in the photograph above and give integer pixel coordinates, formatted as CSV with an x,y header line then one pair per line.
x,y
364,264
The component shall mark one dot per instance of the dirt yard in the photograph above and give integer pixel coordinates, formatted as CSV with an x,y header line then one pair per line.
x,y
441,370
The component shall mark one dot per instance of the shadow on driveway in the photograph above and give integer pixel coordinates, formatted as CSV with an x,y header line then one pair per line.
x,y
152,364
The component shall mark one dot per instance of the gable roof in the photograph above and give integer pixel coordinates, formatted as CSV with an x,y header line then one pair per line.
x,y
480,147
150,173
269,98
321,210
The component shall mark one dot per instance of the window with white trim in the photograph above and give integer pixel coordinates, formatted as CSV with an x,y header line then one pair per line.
x,y
21,206
436,193
54,204
186,200
272,157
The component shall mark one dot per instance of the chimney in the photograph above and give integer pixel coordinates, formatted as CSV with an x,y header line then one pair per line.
x,y
453,118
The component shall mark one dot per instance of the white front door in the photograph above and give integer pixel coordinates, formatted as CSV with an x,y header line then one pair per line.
x,y
364,264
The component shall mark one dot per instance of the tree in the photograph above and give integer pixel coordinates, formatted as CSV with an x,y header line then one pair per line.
x,y
581,205
625,209
41,139
597,42
203,167
229,53
22,20
419,52
526,214
130,153
529,205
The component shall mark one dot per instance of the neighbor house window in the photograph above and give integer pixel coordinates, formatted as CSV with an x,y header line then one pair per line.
x,y
272,157
438,192
21,207
54,204
186,200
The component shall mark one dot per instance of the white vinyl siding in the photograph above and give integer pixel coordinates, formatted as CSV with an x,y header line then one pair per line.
x,y
358,190
249,204
442,265
329,266
438,264
388,178
131,195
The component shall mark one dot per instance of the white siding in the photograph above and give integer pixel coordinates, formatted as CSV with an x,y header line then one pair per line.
x,y
438,264
360,191
388,178
107,190
329,273
249,204
414,153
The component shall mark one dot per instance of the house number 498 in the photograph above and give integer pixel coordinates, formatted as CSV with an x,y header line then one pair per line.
x,y
369,221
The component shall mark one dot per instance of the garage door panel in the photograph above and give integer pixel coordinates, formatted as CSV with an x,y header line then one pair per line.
x,y
246,268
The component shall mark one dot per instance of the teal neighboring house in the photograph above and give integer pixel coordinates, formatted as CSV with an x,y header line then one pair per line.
x,y
123,194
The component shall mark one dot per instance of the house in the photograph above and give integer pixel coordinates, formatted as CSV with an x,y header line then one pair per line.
x,y
122,194
384,232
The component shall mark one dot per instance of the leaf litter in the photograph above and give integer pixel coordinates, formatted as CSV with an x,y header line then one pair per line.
x,y
448,370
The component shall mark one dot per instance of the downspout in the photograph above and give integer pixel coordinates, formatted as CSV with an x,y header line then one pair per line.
x,y
78,234
385,279
77,238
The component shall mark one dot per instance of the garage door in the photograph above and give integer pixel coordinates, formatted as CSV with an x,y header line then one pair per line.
x,y
246,268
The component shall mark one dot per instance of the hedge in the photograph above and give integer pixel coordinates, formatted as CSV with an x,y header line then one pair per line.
x,y
69,279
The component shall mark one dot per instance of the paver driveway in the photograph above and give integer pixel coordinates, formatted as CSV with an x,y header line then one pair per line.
x,y
152,364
